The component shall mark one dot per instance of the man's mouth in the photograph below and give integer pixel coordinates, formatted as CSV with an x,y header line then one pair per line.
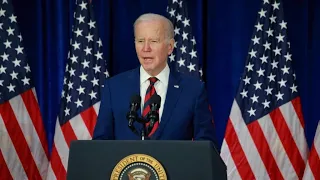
x,y
147,59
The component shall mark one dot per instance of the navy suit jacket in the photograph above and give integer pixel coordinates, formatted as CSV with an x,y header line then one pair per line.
x,y
185,116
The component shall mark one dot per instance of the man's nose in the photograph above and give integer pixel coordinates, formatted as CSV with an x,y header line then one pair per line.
x,y
146,46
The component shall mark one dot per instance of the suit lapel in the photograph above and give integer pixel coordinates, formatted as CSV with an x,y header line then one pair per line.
x,y
173,93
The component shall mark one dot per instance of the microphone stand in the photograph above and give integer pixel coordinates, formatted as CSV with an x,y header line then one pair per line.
x,y
143,129
142,133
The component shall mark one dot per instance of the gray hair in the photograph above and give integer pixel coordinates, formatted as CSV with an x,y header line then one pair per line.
x,y
151,16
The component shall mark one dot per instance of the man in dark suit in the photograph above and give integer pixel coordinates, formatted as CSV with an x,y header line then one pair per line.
x,y
184,111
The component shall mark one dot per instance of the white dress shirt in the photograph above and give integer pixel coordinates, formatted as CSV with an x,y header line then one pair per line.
x,y
161,86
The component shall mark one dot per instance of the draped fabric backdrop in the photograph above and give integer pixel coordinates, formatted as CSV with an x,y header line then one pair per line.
x,y
223,32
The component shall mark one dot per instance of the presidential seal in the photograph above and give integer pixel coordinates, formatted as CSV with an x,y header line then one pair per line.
x,y
138,167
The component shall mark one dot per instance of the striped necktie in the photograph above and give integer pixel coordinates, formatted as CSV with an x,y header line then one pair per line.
x,y
150,92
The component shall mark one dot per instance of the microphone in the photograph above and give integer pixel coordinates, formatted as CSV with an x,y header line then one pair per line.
x,y
132,115
153,115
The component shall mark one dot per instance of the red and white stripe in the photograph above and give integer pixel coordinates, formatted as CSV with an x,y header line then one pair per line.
x,y
272,147
312,170
80,127
23,147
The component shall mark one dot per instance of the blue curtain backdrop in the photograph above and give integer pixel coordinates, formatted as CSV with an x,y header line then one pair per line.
x,y
222,28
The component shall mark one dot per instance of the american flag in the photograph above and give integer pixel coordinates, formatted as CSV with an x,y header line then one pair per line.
x,y
265,138
312,170
184,57
23,144
84,77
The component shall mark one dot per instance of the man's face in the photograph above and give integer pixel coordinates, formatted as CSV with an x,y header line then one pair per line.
x,y
152,46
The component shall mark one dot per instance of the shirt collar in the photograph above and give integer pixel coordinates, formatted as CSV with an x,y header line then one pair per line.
x,y
163,76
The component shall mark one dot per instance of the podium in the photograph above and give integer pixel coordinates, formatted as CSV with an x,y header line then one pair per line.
x,y
130,160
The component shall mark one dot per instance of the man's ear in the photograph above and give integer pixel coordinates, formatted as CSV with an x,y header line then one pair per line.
x,y
170,46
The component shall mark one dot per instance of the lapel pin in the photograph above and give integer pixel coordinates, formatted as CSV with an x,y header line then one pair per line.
x,y
176,86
